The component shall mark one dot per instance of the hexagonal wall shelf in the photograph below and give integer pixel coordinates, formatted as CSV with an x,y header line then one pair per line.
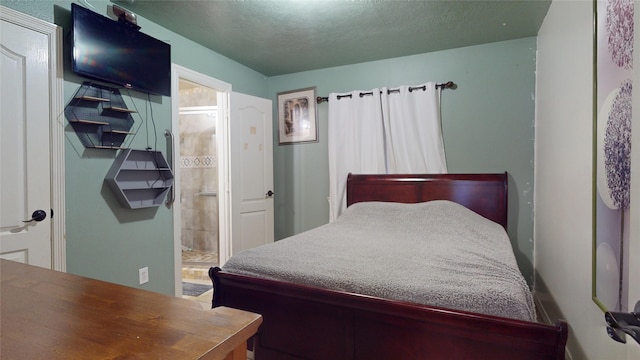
x,y
140,178
99,116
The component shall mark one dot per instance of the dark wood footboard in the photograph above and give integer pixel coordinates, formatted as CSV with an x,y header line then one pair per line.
x,y
302,322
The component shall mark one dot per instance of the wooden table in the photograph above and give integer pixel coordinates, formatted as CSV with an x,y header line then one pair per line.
x,y
47,314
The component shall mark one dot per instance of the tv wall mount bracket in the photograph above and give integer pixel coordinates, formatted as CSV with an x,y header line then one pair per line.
x,y
125,16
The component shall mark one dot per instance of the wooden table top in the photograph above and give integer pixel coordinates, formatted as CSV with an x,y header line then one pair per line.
x,y
55,315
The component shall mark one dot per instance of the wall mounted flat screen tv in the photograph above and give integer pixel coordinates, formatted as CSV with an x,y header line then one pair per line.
x,y
118,53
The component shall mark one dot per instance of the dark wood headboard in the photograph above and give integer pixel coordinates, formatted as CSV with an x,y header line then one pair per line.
x,y
486,194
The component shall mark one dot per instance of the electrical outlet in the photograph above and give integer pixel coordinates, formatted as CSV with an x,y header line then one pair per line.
x,y
143,273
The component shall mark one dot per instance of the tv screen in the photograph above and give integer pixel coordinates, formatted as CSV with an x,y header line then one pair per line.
x,y
118,53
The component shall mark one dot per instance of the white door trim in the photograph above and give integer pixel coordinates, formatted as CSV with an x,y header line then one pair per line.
x,y
56,127
224,89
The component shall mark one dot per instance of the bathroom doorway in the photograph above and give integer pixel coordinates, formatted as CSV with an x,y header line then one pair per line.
x,y
198,162
199,155
206,200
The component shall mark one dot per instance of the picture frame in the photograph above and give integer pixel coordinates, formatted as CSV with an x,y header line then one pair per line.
x,y
297,117
612,117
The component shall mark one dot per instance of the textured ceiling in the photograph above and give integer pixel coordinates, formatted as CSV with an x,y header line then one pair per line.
x,y
277,37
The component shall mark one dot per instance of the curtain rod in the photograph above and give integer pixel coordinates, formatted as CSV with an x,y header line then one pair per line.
x,y
447,85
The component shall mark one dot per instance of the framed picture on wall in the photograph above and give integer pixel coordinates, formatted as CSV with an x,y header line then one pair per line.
x,y
612,154
297,120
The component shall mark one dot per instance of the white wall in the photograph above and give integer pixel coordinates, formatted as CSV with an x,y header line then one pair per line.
x,y
563,179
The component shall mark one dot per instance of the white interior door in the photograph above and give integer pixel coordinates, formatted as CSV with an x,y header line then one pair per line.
x,y
633,347
251,162
25,172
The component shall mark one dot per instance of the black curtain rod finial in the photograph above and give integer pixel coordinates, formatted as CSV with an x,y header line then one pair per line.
x,y
447,85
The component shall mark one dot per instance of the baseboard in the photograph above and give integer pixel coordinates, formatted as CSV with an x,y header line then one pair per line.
x,y
543,311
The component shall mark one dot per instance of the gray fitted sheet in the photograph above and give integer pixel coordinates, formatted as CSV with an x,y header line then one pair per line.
x,y
436,253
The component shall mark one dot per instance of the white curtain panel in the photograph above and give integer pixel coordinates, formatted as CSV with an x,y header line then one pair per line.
x,y
413,133
356,142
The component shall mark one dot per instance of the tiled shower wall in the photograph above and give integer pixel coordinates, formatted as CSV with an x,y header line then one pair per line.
x,y
199,171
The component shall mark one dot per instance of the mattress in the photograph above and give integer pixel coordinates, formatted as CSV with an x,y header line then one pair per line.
x,y
436,253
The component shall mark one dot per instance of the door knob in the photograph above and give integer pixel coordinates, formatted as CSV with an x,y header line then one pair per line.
x,y
619,324
37,216
270,193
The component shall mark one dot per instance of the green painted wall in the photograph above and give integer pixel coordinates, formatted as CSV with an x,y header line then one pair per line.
x,y
488,126
104,240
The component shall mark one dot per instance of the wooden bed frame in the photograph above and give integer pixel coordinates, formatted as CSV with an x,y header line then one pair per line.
x,y
303,322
